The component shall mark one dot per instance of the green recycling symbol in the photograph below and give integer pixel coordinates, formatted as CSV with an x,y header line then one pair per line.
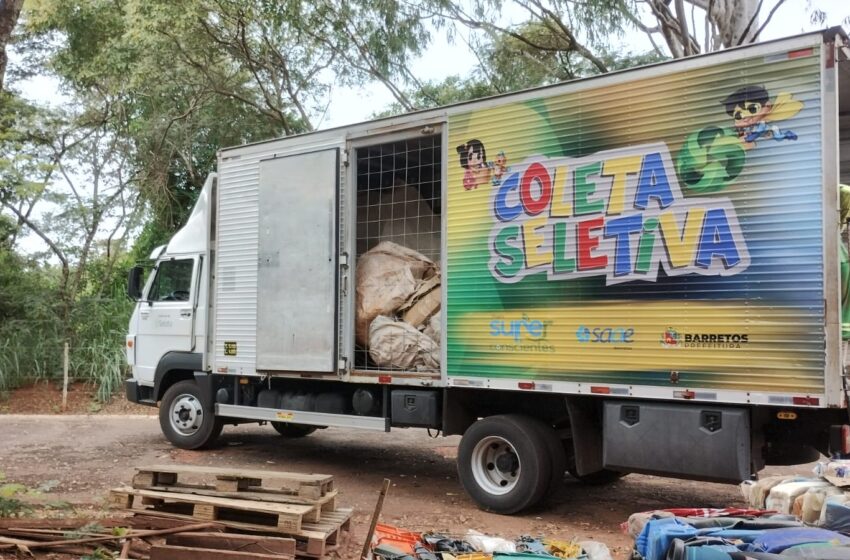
x,y
710,159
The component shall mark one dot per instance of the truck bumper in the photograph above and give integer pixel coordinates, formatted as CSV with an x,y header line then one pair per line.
x,y
139,394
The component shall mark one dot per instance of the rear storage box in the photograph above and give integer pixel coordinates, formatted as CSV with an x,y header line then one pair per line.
x,y
415,408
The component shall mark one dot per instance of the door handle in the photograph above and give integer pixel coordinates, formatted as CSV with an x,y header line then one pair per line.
x,y
144,314
185,312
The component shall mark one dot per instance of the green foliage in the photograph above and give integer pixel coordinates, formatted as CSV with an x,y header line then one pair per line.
x,y
508,64
85,531
12,507
12,489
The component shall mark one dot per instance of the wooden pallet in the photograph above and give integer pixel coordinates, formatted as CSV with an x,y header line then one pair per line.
x,y
313,540
326,503
268,515
220,546
307,486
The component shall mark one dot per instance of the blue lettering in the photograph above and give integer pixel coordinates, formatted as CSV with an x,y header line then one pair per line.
x,y
621,229
605,335
534,328
503,211
716,240
653,183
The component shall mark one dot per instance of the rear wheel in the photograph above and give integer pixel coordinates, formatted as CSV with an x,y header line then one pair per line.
x,y
185,417
557,458
292,431
504,463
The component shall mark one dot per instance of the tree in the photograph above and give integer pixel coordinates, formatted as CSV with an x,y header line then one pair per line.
x,y
571,29
9,12
202,74
507,64
65,179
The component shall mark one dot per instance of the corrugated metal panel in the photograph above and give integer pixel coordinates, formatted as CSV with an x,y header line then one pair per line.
x,y
237,250
712,279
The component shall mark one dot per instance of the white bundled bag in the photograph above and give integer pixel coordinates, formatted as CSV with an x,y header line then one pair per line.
x,y
386,277
397,345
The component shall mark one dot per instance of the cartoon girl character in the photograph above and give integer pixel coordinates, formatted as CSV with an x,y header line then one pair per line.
x,y
755,113
473,158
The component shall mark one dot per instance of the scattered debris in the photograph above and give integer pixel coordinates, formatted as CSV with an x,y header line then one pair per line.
x,y
189,513
792,516
393,543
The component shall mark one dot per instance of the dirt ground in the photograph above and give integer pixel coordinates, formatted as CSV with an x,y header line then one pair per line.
x,y
46,398
85,455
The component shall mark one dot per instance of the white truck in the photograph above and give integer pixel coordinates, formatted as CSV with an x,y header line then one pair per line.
x,y
636,272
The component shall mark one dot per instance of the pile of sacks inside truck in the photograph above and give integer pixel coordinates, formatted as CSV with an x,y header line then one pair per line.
x,y
398,308
392,543
790,517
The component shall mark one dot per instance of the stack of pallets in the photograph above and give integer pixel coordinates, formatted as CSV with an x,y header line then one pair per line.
x,y
294,507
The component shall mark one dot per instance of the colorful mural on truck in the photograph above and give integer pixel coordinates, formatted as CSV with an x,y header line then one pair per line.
x,y
629,233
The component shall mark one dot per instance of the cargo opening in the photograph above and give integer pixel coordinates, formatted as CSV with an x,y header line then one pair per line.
x,y
398,243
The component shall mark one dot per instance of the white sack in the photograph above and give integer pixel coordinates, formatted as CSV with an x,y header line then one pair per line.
x,y
397,345
386,277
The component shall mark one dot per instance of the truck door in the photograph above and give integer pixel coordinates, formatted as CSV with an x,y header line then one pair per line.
x,y
297,281
166,317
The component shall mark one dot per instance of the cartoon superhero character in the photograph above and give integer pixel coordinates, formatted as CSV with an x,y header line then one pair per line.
x,y
499,167
754,113
473,158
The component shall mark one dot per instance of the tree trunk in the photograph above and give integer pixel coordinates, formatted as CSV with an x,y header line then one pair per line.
x,y
9,12
736,21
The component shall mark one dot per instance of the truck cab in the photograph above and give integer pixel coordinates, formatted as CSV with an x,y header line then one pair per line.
x,y
168,327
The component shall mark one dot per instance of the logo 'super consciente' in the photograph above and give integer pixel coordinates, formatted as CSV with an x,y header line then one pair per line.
x,y
618,213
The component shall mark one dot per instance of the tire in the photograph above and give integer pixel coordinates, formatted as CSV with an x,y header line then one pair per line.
x,y
186,418
292,431
504,463
557,458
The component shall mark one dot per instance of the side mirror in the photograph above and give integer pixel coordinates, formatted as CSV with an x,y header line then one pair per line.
x,y
134,283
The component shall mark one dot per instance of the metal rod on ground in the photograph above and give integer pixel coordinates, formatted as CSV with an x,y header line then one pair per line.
x,y
378,507
65,379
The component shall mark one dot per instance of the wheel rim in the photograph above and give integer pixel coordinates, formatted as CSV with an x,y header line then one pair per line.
x,y
186,414
495,465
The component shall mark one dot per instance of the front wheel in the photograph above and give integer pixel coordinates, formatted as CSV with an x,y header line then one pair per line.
x,y
504,463
185,417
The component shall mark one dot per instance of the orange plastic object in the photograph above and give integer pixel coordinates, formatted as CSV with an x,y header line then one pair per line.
x,y
398,538
474,556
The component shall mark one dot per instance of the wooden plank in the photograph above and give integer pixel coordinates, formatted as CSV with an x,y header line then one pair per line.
x,y
326,502
120,500
310,478
140,520
247,505
327,528
232,541
204,511
285,517
168,552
